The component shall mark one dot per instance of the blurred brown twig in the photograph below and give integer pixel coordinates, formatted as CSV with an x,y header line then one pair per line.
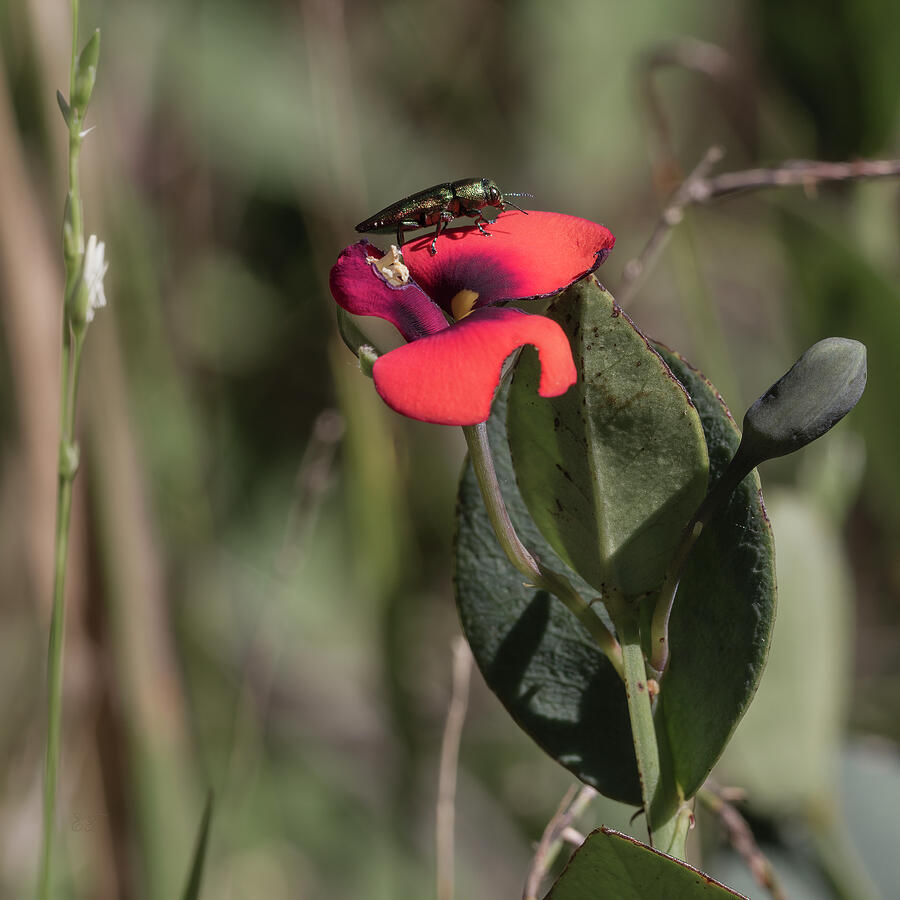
x,y
718,801
700,188
446,801
557,832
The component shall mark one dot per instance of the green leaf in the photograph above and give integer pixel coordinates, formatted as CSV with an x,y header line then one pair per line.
x,y
611,864
195,878
546,669
533,653
724,611
613,469
86,73
63,107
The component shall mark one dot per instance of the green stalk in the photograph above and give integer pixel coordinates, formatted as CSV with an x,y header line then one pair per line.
x,y
57,622
738,469
519,555
667,819
72,340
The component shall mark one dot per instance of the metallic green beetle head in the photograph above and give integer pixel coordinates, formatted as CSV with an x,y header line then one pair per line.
x,y
491,192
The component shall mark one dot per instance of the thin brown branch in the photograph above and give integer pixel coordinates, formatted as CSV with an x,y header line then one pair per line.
x,y
572,836
558,832
701,188
671,215
446,799
806,173
741,839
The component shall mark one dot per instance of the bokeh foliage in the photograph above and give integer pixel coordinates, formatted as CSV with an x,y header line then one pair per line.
x,y
260,587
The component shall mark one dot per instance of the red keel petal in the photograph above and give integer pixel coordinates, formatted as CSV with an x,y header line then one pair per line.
x,y
359,289
450,378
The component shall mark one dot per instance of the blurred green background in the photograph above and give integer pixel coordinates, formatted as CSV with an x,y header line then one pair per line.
x,y
259,587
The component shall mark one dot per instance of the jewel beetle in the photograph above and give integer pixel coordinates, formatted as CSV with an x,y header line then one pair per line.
x,y
440,205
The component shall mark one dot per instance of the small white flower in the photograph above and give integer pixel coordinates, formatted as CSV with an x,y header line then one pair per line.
x,y
95,267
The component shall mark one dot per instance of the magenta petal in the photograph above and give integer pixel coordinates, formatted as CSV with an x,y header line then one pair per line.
x,y
449,378
532,255
360,289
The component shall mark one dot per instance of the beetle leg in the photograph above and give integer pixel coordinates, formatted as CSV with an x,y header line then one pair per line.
x,y
442,222
481,227
437,230
405,225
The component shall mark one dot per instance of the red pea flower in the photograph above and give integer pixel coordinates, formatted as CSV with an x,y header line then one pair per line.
x,y
450,309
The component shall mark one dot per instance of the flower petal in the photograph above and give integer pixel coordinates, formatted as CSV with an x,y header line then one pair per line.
x,y
449,378
531,255
358,287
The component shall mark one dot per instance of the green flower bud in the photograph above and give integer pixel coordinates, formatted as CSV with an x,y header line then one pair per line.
x,y
367,357
812,397
86,74
72,248
77,306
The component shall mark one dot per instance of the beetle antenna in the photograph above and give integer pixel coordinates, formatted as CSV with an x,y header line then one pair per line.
x,y
513,205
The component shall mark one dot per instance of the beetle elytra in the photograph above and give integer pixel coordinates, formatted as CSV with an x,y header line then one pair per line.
x,y
439,205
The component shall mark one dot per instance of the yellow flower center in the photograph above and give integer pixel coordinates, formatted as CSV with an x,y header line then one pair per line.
x,y
463,303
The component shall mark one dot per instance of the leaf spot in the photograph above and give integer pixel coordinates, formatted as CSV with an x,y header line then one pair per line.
x,y
564,472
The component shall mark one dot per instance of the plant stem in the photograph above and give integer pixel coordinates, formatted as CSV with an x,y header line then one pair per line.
x,y
520,556
662,612
665,817
57,632
74,60
741,838
445,808
67,466
717,498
